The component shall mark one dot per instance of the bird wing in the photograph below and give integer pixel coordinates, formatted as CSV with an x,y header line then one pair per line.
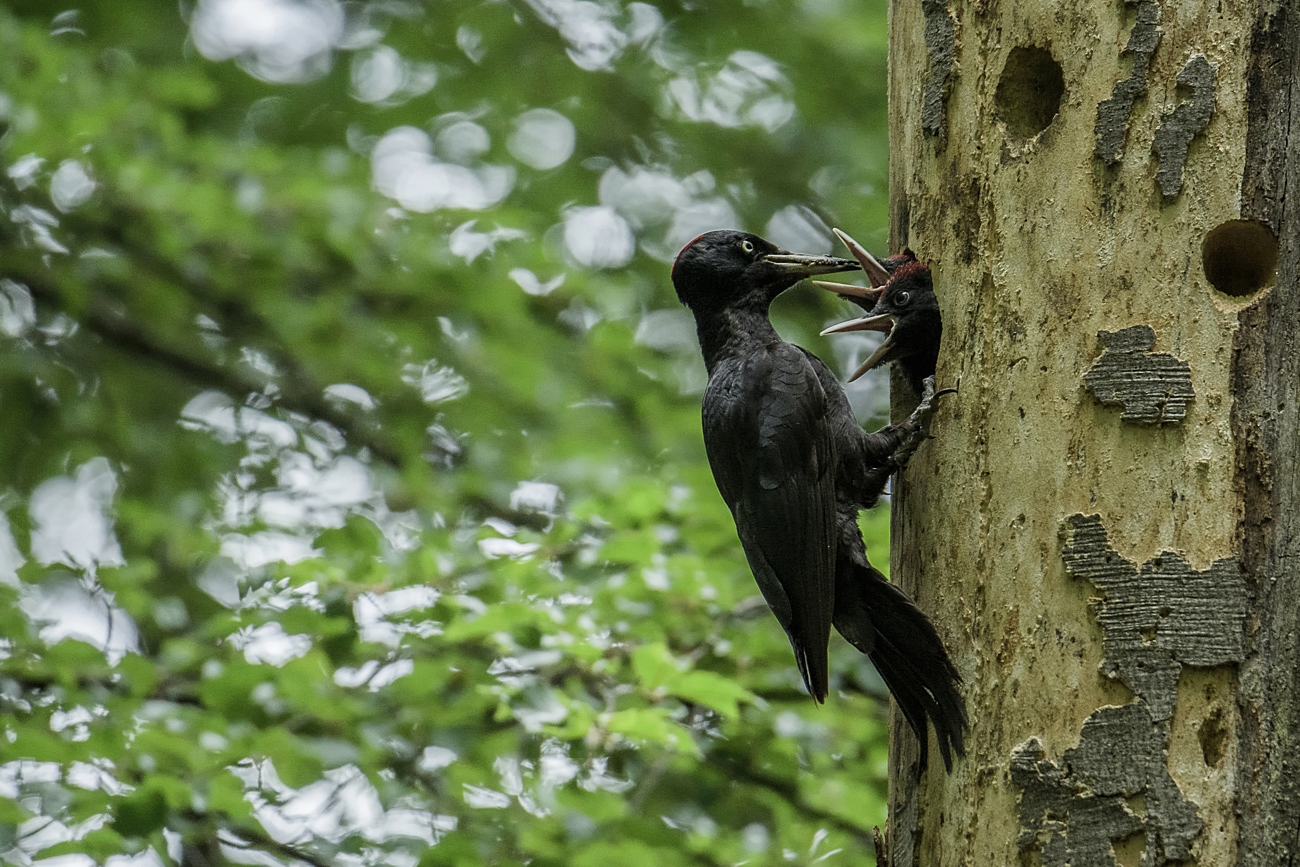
x,y
772,452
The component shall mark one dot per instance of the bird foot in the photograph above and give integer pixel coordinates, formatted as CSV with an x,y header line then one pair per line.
x,y
919,423
925,409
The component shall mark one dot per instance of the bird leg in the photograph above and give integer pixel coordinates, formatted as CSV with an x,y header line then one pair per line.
x,y
919,424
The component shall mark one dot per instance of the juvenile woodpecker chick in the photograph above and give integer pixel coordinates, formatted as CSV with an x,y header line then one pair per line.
x,y
901,303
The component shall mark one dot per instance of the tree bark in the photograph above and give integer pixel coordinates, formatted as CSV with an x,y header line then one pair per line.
x,y
1106,527
1266,428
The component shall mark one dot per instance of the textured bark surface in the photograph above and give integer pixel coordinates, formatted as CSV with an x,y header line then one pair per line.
x,y
1266,426
1105,530
1151,387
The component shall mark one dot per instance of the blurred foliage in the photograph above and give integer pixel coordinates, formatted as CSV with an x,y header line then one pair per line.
x,y
337,528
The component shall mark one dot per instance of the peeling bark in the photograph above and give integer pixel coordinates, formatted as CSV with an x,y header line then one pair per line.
x,y
1059,818
1152,387
1184,123
1113,115
1155,619
941,45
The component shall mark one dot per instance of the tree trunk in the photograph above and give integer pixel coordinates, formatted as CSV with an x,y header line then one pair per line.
x,y
1106,527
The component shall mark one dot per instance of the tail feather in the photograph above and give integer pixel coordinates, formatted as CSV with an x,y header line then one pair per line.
x,y
882,621
913,702
814,668
925,691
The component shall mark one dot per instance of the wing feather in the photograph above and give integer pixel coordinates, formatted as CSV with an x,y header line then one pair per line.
x,y
772,451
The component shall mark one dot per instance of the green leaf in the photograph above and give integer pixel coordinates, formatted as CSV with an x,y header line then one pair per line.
x,y
625,853
502,617
12,813
631,547
654,666
711,690
229,691
650,726
225,796
140,813
100,844
294,760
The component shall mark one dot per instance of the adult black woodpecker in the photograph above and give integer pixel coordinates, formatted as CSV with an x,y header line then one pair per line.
x,y
795,469
901,303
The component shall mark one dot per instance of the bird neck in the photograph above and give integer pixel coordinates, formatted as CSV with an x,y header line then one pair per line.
x,y
917,367
921,363
733,330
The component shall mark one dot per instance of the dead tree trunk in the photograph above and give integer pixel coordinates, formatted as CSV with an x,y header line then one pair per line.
x,y
1107,526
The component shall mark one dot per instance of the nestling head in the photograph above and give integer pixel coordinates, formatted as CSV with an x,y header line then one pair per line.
x,y
901,303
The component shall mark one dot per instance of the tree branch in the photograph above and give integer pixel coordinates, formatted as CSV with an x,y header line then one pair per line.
x,y
128,338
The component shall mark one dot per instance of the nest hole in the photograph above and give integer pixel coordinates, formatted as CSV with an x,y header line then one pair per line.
x,y
1029,91
1240,257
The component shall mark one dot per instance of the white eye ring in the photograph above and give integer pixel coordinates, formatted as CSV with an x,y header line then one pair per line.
x,y
747,246
903,298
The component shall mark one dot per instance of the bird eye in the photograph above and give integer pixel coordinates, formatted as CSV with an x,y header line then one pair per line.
x,y
902,298
747,246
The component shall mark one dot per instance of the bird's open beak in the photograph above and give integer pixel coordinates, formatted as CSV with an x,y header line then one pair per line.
x,y
801,265
868,296
878,357
876,273
881,322
865,297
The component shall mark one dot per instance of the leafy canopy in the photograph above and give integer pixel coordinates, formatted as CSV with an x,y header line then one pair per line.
x,y
355,509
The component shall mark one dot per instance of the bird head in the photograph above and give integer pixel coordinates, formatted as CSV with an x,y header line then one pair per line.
x,y
900,302
724,268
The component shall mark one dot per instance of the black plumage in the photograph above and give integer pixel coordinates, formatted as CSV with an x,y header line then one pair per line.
x,y
901,303
795,469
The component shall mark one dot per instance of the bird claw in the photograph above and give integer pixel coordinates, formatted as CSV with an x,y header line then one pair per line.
x,y
925,409
919,423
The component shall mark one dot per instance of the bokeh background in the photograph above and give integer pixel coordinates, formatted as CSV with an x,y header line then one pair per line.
x,y
353,506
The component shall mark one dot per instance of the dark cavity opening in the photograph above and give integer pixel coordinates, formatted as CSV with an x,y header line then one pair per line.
x,y
1239,257
1212,734
1029,91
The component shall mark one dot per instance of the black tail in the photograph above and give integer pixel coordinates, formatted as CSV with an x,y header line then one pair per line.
x,y
883,622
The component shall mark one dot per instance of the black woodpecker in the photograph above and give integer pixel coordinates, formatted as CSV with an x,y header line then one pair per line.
x,y
795,469
902,304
